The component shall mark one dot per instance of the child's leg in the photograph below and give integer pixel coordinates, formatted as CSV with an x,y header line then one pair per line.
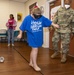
x,y
33,59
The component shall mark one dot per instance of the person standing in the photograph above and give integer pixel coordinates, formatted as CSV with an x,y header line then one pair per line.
x,y
11,25
33,25
64,17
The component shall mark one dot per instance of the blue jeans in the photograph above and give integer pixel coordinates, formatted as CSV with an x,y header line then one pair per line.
x,y
10,36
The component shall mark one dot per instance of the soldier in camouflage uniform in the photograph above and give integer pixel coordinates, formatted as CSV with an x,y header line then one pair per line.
x,y
64,18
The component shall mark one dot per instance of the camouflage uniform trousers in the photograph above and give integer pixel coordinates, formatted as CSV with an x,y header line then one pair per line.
x,y
65,41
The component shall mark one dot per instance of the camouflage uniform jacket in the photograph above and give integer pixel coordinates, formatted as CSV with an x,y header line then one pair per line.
x,y
65,19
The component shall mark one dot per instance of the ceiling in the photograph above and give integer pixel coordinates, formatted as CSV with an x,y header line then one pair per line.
x,y
18,0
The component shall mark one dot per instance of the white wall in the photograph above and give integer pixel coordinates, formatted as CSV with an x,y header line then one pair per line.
x,y
10,7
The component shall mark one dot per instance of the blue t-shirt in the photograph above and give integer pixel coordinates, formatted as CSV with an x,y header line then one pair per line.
x,y
34,29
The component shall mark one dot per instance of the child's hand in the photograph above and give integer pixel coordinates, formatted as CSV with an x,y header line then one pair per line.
x,y
56,26
19,36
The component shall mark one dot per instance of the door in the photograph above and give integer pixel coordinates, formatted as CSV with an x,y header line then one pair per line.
x,y
52,5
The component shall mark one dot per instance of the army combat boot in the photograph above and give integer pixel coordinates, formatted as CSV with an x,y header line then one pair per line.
x,y
63,58
54,54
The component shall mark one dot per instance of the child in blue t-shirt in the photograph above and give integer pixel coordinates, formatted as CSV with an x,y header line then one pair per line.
x,y
33,25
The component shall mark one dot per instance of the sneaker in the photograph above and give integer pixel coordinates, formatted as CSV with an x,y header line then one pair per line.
x,y
54,55
8,44
12,44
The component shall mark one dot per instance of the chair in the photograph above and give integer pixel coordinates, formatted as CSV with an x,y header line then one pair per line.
x,y
3,34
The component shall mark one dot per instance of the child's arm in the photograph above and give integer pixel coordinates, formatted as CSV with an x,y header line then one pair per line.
x,y
20,34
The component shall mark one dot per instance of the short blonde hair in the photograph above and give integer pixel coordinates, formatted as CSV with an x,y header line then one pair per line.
x,y
36,11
